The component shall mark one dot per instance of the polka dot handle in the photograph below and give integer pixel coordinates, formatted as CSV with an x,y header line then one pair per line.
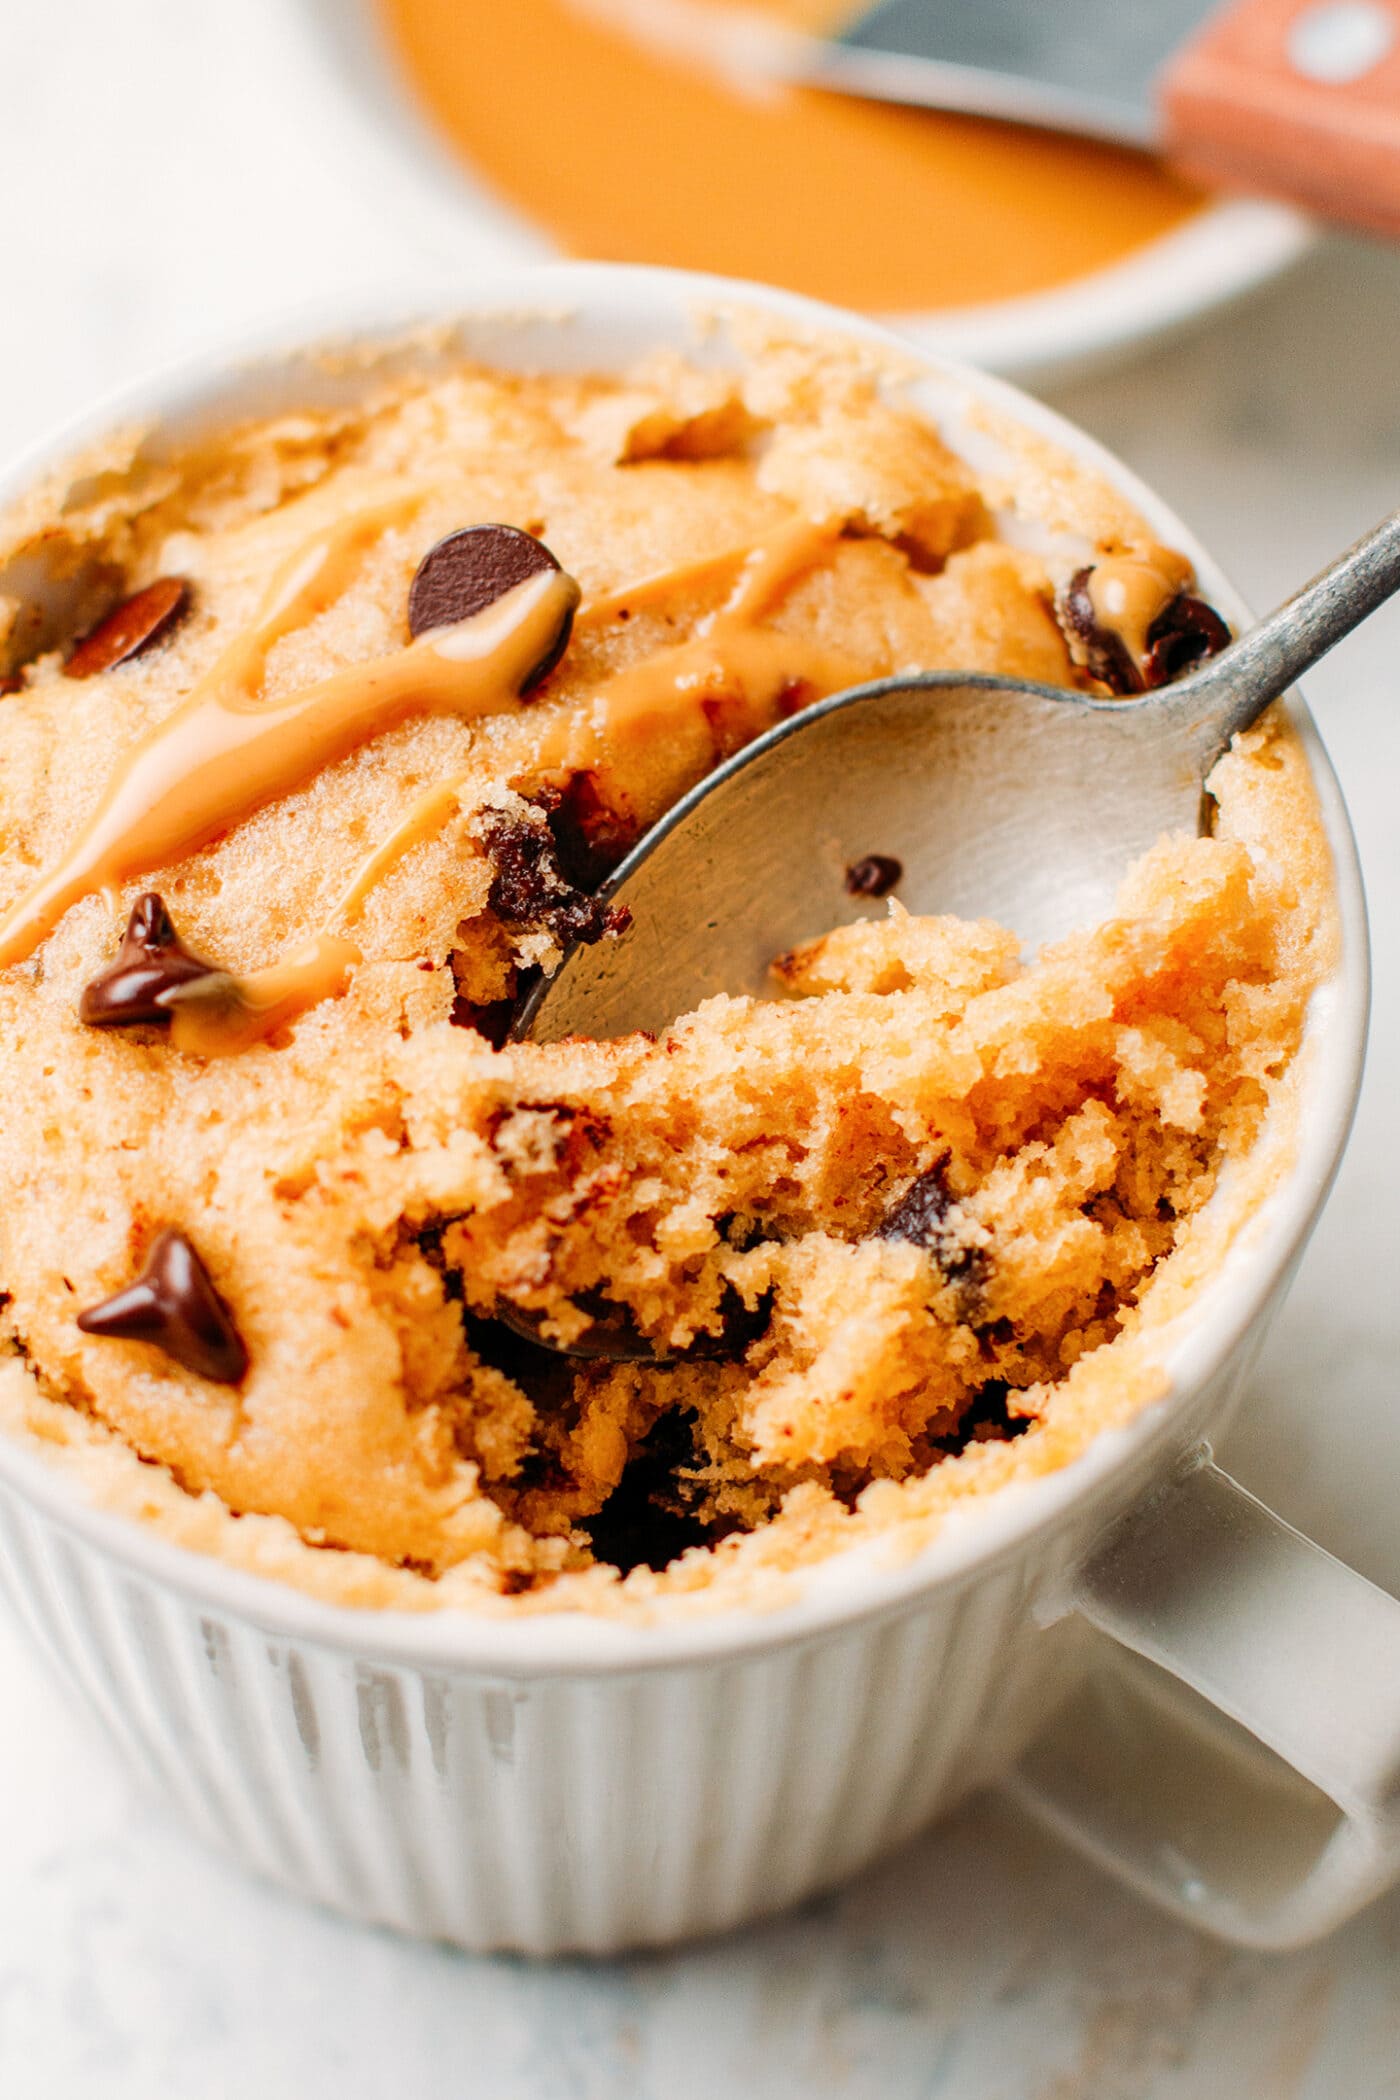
x,y
1297,99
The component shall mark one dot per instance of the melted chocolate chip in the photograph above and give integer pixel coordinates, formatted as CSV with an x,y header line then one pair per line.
x,y
529,889
174,1305
1185,634
471,569
577,1133
921,1216
590,834
650,1519
921,1213
151,963
135,626
1107,657
874,876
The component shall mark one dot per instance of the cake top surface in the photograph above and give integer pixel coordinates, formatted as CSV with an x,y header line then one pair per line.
x,y
358,708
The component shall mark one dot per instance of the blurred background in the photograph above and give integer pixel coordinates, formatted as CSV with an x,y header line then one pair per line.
x,y
180,172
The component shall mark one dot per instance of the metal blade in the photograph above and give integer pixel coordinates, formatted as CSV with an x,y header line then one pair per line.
x,y
1075,65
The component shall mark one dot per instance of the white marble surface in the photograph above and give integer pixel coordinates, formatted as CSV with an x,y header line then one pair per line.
x,y
168,169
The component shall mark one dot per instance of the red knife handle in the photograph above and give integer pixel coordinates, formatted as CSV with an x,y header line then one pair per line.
x,y
1297,99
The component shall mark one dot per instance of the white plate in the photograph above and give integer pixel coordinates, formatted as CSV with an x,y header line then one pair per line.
x,y
1218,256
1224,252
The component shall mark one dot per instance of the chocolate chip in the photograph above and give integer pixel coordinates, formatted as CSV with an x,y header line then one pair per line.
x,y
591,834
1106,655
136,625
471,569
874,876
151,963
921,1217
921,1213
578,1132
529,889
1185,634
173,1305
740,1326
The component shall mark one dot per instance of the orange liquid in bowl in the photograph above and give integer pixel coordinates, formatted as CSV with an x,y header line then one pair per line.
x,y
624,149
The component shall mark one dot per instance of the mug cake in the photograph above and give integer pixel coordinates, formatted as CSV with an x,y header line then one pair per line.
x,y
308,1264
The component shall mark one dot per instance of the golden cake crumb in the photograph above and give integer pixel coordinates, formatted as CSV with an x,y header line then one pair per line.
x,y
911,1228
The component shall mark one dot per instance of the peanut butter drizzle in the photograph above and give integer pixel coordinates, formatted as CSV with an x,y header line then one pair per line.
x,y
225,753
735,655
425,818
734,658
1128,592
218,1015
663,583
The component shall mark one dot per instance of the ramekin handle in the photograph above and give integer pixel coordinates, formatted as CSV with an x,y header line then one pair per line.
x,y
1264,1807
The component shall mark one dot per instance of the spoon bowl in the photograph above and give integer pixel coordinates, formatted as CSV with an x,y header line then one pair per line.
x,y
1011,802
999,799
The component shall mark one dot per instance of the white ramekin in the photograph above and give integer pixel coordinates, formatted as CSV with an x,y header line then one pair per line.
x,y
573,1783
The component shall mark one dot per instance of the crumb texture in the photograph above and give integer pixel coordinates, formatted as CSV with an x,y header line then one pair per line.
x,y
908,1229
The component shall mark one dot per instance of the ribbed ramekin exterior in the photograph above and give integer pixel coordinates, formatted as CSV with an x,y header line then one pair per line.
x,y
588,1813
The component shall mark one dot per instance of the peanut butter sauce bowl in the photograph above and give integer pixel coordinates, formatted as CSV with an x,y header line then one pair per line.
x,y
557,1759
1020,252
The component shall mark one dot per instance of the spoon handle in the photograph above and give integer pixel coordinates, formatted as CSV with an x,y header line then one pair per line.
x,y
1236,686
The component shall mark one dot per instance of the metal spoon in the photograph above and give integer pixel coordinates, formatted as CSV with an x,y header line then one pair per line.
x,y
1017,802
